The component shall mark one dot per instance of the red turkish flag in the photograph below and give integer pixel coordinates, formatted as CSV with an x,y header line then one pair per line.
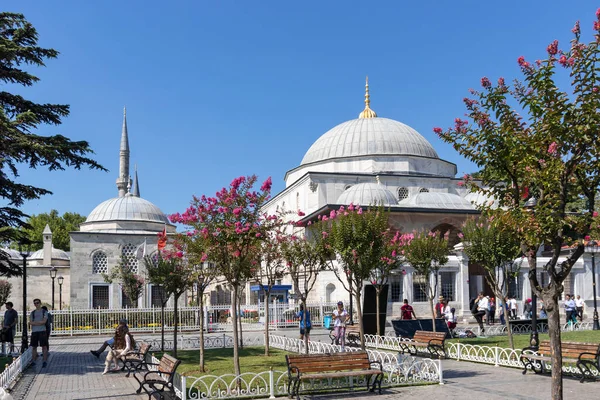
x,y
162,239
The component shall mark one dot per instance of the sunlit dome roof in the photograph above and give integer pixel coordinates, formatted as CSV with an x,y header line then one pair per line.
x,y
128,208
436,200
12,254
481,199
366,194
369,137
57,254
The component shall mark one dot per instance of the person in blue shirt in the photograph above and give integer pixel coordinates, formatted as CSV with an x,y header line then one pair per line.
x,y
570,310
305,322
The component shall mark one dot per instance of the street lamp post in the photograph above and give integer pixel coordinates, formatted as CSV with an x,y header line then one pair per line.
x,y
593,248
24,339
53,272
534,340
60,283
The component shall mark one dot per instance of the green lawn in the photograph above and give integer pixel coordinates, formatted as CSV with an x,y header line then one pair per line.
x,y
220,361
522,340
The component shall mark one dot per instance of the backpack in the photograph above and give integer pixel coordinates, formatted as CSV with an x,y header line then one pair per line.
x,y
49,321
473,306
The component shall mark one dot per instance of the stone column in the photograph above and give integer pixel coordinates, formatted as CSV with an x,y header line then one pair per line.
x,y
462,294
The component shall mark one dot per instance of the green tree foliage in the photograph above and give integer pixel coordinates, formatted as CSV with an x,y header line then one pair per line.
x,y
19,118
59,225
5,290
426,252
490,243
358,239
552,154
131,283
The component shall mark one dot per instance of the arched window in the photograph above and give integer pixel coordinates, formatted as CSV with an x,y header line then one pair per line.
x,y
402,193
424,190
451,231
129,259
329,289
99,263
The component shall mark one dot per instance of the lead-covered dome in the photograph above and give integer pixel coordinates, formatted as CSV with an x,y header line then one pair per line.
x,y
57,254
369,137
367,194
437,200
127,208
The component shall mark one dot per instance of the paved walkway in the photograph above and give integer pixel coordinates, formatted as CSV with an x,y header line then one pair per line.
x,y
73,373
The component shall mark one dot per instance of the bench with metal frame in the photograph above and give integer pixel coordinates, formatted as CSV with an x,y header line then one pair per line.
x,y
585,356
313,367
136,360
434,342
158,383
352,335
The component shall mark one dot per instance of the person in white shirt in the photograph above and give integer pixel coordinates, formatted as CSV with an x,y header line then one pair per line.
x,y
450,316
482,305
513,307
340,317
579,304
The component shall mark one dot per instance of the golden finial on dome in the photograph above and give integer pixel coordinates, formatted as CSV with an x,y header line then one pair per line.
x,y
367,112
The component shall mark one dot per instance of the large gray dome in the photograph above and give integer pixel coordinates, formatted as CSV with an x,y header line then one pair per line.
x,y
57,254
127,208
369,137
367,194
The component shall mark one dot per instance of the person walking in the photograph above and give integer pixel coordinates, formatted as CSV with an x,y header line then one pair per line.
x,y
439,307
305,322
37,320
482,305
406,311
340,317
514,308
579,304
491,312
570,309
9,327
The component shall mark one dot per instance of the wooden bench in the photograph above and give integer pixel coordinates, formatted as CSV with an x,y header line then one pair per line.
x,y
433,341
136,361
585,356
159,383
332,365
352,335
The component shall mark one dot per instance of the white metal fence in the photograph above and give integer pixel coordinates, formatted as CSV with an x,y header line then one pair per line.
x,y
216,318
15,369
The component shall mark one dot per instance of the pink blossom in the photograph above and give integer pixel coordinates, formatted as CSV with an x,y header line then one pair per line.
x,y
237,211
501,81
258,234
596,26
598,13
325,218
460,235
236,253
332,214
563,61
595,89
522,62
595,214
301,214
179,254
351,207
485,82
587,237
374,282
394,253
360,211
461,183
325,234
266,186
552,148
553,48
204,257
437,130
576,29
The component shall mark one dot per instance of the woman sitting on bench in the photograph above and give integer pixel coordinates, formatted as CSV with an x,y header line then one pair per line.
x,y
123,344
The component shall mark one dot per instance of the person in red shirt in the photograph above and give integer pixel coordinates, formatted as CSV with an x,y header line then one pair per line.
x,y
406,311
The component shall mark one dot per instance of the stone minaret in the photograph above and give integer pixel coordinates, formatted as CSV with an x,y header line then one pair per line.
x,y
136,185
123,179
47,234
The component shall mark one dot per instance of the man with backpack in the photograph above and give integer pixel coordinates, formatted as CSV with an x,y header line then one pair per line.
x,y
37,320
49,324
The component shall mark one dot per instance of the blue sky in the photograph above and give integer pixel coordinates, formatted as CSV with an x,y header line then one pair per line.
x,y
215,90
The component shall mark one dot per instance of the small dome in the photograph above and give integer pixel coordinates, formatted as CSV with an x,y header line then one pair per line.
x,y
436,200
57,254
481,199
12,254
369,137
129,208
367,194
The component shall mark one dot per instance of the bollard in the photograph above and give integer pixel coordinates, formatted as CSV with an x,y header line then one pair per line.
x,y
271,383
458,352
440,372
183,388
497,356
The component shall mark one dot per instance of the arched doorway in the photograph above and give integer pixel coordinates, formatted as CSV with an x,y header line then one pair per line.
x,y
329,290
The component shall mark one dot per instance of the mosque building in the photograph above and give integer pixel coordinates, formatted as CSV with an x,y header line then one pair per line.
x,y
364,161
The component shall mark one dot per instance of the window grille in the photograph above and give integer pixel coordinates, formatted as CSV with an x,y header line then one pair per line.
x,y
448,288
419,286
402,193
156,295
100,298
424,190
515,287
129,259
99,263
396,290
126,301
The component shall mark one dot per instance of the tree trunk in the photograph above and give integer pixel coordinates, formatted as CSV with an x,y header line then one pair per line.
x,y
162,327
236,351
360,318
551,304
239,313
377,291
508,330
176,322
201,305
267,296
432,312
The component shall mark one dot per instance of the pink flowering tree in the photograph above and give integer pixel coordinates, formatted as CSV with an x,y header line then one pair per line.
x,y
426,252
173,273
382,270
357,241
130,281
230,228
490,243
550,155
